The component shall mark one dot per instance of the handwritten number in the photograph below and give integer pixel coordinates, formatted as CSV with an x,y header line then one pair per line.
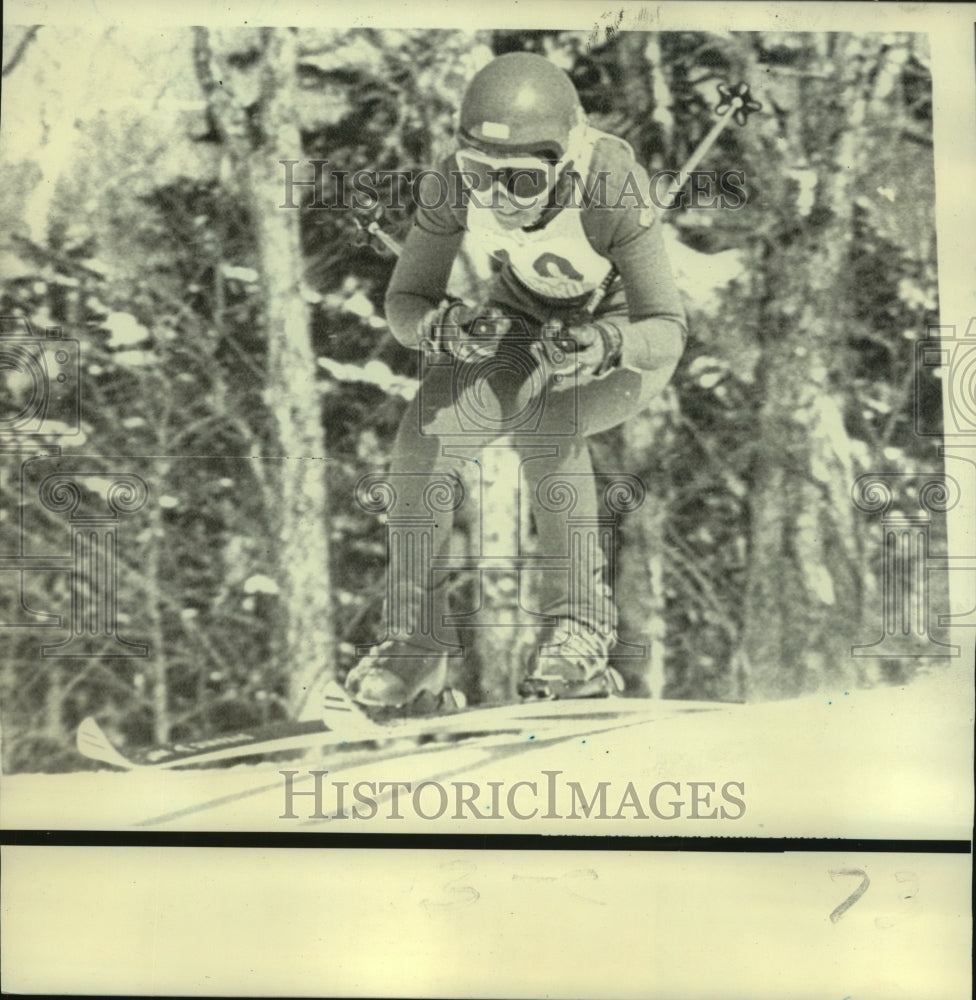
x,y
459,895
855,895
563,882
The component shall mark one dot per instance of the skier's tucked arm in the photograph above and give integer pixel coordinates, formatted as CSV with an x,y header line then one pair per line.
x,y
420,278
652,338
419,283
655,337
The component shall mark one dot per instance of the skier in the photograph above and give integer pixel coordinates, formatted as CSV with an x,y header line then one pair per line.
x,y
528,361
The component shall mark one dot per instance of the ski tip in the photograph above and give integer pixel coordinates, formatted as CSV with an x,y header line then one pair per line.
x,y
92,742
341,714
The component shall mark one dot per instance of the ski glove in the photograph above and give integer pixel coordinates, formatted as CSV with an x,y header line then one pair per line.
x,y
469,333
592,348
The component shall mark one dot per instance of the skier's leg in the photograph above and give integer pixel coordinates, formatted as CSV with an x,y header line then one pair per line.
x,y
572,524
420,494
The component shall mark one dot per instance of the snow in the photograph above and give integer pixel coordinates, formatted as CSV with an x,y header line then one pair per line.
x,y
124,330
883,763
259,583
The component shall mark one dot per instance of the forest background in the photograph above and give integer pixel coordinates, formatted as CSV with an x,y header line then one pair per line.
x,y
220,336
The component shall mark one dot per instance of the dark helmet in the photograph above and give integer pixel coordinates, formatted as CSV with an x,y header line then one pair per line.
x,y
520,103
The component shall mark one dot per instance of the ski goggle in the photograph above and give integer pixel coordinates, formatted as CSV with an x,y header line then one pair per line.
x,y
523,177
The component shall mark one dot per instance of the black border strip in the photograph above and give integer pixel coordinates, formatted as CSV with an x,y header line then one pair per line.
x,y
473,842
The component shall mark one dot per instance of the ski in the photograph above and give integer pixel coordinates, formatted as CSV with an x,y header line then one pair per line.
x,y
345,726
92,742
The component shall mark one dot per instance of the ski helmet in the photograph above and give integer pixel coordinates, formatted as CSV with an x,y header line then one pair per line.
x,y
520,103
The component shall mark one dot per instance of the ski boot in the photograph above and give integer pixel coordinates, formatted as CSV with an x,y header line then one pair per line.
x,y
573,665
398,680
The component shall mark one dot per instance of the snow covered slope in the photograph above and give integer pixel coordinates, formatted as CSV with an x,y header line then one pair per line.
x,y
882,763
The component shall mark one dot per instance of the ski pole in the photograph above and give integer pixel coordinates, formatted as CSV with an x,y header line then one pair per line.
x,y
368,229
735,103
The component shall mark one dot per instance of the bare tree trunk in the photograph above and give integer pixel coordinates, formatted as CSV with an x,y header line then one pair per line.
x,y
500,649
804,588
158,652
257,136
53,705
639,585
